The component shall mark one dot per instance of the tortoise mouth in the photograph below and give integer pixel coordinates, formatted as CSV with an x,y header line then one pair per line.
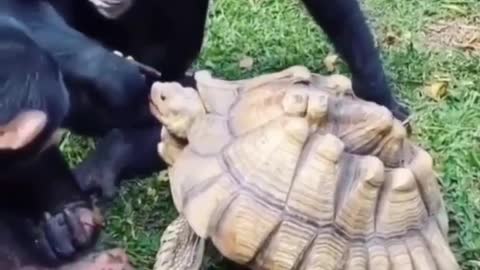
x,y
154,108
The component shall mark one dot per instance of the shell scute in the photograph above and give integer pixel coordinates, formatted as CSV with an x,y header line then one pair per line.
x,y
326,252
400,207
312,191
255,109
188,177
209,135
356,208
357,258
214,195
287,244
265,159
399,256
419,253
245,227
378,258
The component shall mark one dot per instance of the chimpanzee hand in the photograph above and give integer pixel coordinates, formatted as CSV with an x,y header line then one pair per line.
x,y
65,234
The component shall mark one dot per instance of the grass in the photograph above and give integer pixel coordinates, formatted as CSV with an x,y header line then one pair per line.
x,y
278,34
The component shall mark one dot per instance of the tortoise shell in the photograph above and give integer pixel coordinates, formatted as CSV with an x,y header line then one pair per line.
x,y
291,171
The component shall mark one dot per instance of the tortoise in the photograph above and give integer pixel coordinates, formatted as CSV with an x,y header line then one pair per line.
x,y
290,170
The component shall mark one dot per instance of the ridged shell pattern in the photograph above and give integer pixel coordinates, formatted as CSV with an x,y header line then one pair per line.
x,y
284,172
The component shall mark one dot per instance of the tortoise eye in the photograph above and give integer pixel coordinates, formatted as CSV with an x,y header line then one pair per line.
x,y
302,82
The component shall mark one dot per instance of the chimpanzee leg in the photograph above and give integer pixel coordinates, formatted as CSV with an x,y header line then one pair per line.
x,y
57,220
188,28
123,153
345,25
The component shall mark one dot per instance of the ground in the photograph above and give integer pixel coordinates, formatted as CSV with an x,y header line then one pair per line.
x,y
423,53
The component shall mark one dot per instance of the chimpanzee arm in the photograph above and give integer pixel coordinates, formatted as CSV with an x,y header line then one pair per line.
x,y
345,24
110,78
188,19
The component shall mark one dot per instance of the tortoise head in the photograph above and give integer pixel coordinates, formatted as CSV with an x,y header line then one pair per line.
x,y
176,107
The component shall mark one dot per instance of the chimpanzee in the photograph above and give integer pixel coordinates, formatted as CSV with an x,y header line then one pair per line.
x,y
51,77
168,36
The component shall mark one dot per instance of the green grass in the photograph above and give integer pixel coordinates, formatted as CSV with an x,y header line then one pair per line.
x,y
278,34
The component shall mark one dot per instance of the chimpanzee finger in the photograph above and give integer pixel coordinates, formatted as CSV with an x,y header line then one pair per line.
x,y
80,236
44,247
58,235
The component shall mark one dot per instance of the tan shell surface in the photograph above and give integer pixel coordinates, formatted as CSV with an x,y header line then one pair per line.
x,y
293,172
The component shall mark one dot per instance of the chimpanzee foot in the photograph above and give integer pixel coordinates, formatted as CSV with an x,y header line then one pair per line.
x,y
64,235
399,111
115,259
100,171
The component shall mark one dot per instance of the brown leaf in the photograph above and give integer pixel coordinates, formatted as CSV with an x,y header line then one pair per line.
x,y
331,62
391,39
246,63
437,90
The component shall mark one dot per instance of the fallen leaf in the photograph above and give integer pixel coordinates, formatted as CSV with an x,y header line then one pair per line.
x,y
331,62
437,90
246,63
391,39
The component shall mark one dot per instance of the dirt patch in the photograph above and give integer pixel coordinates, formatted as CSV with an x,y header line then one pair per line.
x,y
457,34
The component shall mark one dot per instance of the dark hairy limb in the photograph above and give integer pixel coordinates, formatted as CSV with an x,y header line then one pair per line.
x,y
122,154
345,24
106,77
186,42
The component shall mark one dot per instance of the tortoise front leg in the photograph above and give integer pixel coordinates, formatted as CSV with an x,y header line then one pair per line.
x,y
181,248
